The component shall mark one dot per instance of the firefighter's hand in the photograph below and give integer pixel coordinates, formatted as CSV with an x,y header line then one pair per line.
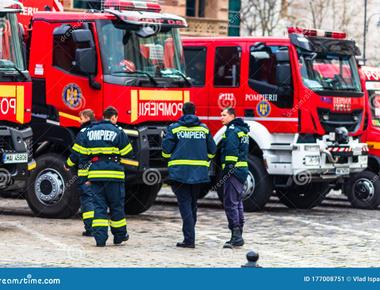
x,y
88,183
66,168
228,170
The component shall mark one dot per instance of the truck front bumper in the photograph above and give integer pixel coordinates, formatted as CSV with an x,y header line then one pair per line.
x,y
13,176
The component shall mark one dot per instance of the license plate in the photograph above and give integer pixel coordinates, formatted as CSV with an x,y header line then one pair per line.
x,y
15,158
342,171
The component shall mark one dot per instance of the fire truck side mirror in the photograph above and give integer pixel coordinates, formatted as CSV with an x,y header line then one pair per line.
x,y
85,60
81,36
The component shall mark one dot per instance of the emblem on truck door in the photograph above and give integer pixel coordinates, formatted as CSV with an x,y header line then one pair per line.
x,y
72,96
263,108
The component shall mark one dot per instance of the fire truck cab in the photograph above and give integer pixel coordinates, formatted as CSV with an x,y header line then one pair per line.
x,y
128,55
16,158
301,96
363,189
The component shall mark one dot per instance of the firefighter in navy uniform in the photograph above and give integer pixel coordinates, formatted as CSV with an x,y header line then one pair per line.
x,y
189,146
107,147
234,154
80,163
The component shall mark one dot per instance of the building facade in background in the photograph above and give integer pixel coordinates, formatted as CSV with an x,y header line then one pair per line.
x,y
205,17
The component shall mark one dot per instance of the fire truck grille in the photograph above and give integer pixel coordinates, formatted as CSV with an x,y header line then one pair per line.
x,y
331,120
155,151
6,143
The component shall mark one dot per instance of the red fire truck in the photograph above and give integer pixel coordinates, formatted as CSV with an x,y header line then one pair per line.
x,y
16,158
301,96
363,190
128,55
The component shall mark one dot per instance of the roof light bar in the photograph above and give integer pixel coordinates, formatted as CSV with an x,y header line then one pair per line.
x,y
132,5
317,32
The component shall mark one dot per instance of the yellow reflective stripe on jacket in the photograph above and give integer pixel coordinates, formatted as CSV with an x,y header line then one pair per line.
x,y
242,134
88,215
131,162
103,150
106,174
166,155
69,162
231,158
100,223
241,164
80,149
82,172
189,162
126,149
210,156
118,224
238,164
191,129
224,135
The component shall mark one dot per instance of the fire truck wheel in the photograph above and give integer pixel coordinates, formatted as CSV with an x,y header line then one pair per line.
x,y
52,191
363,190
140,197
257,189
304,196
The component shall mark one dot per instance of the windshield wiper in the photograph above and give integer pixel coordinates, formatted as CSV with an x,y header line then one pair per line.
x,y
11,65
179,73
150,77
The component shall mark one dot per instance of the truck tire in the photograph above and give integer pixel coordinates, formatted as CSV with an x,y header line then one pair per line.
x,y
363,190
140,197
52,191
304,196
257,189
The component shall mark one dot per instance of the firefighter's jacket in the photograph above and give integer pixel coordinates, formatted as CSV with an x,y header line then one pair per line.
x,y
77,160
234,150
107,148
188,146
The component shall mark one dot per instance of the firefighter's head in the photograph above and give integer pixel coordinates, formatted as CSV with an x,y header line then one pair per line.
x,y
111,114
86,115
227,115
188,108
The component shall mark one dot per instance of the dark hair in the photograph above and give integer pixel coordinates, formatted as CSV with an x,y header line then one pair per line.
x,y
88,113
230,111
188,108
109,112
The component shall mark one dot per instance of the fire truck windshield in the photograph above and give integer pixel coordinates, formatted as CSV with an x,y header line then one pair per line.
x,y
128,53
329,72
11,57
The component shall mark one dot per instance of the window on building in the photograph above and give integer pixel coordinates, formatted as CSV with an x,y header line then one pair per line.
x,y
270,74
227,66
195,8
195,58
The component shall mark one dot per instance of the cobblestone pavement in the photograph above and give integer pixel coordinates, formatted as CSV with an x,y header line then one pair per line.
x,y
333,235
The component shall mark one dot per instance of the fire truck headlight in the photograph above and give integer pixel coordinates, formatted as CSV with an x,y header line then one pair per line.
x,y
325,117
312,148
130,132
312,160
356,118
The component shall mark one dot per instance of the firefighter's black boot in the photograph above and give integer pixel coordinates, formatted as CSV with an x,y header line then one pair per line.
x,y
237,237
227,245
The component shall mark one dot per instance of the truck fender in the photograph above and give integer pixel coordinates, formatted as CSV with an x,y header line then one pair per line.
x,y
258,133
